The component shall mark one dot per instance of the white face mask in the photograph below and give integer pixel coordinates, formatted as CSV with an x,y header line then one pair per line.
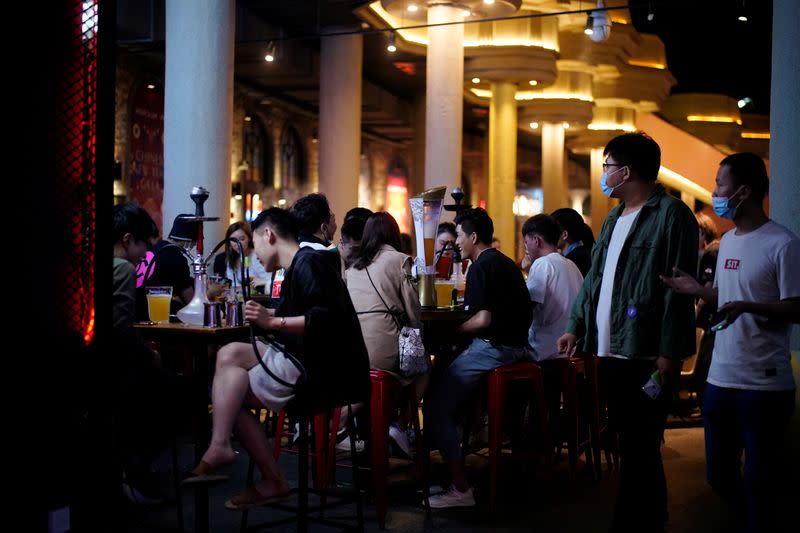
x,y
607,189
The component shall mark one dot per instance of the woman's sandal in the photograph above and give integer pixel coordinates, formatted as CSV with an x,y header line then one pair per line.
x,y
202,475
250,497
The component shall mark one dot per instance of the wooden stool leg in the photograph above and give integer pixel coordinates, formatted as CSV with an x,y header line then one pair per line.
x,y
302,477
379,410
276,446
496,410
421,461
571,415
540,403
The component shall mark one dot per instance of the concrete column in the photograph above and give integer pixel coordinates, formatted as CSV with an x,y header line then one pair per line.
x,y
340,121
554,179
444,100
503,162
688,199
198,109
784,158
417,182
599,201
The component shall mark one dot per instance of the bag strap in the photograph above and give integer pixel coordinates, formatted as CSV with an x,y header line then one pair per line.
x,y
388,310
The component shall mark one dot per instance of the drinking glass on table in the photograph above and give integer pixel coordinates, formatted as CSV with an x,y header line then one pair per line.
x,y
158,301
444,292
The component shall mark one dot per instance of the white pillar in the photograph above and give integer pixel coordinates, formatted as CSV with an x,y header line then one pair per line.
x,y
554,185
198,109
340,121
503,163
417,182
444,98
688,199
598,200
784,157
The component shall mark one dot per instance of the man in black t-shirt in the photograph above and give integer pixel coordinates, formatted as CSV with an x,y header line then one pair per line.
x,y
499,307
172,268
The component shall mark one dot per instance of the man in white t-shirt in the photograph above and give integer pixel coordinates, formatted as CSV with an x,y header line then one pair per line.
x,y
635,323
750,395
553,283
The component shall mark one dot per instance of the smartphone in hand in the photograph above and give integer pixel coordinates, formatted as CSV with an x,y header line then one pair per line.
x,y
719,326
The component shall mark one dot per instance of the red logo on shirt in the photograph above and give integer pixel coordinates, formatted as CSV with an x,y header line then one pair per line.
x,y
732,264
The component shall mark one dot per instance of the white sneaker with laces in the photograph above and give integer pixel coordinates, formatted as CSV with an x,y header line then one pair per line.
x,y
452,497
344,445
400,438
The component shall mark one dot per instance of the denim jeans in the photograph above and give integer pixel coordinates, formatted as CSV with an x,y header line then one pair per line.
x,y
457,383
755,422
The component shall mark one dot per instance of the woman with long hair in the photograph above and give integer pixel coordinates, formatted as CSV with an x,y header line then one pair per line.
x,y
227,264
386,299
576,239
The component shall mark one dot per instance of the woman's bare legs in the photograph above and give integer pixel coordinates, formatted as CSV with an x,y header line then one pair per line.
x,y
251,433
231,385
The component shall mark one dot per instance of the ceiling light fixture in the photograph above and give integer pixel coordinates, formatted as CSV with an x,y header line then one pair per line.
x,y
742,16
534,125
476,80
488,2
588,30
533,83
601,23
271,52
412,8
392,47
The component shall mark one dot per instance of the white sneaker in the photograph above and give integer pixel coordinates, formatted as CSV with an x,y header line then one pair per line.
x,y
452,497
344,445
400,438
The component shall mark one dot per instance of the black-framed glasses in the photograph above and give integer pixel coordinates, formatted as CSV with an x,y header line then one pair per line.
x,y
606,165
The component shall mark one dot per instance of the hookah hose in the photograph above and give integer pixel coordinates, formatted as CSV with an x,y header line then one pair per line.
x,y
282,349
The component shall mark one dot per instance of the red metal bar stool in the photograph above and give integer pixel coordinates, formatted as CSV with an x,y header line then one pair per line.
x,y
602,437
324,441
322,455
499,378
569,374
383,402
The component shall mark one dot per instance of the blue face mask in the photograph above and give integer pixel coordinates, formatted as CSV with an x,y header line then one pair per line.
x,y
722,208
607,189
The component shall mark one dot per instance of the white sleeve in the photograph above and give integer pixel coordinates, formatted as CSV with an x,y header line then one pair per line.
x,y
786,262
538,278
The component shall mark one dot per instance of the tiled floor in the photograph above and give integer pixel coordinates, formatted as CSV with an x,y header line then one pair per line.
x,y
529,499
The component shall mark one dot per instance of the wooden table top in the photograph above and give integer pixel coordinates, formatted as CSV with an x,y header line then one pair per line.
x,y
178,330
444,313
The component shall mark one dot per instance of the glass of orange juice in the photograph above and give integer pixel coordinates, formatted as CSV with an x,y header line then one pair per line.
x,y
444,292
158,300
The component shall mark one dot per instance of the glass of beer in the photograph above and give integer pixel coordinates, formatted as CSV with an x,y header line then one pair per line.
x,y
158,300
444,292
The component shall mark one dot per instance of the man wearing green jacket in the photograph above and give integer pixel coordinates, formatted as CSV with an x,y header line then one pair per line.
x,y
638,325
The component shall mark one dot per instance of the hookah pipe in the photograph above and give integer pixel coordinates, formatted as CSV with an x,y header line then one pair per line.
x,y
246,295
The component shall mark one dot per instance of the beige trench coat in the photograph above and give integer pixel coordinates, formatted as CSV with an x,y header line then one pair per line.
x,y
391,273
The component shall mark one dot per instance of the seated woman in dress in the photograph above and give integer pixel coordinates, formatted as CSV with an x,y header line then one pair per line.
x,y
385,298
227,264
